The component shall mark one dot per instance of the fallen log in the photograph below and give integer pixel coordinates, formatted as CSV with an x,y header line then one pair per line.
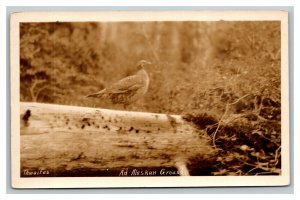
x,y
58,140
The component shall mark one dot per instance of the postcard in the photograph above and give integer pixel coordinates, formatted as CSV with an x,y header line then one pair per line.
x,y
110,99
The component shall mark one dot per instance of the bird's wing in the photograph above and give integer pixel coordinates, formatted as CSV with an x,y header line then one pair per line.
x,y
97,94
130,83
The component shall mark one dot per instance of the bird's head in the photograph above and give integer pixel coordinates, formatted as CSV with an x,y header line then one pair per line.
x,y
142,63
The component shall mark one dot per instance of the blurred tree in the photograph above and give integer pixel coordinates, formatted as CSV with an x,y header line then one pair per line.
x,y
55,55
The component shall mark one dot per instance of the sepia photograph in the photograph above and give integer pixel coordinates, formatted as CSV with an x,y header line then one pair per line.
x,y
149,99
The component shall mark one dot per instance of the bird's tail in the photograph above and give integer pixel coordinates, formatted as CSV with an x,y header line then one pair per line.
x,y
97,94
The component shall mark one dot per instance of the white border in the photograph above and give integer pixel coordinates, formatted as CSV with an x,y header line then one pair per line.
x,y
89,182
154,15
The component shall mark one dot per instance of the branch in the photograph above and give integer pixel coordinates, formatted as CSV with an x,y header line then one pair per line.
x,y
34,94
225,113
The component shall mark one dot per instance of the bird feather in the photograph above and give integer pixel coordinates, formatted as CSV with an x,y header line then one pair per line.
x,y
130,83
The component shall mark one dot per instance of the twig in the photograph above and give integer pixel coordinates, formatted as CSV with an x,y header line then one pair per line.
x,y
225,113
250,164
238,99
277,154
251,170
219,123
40,90
268,172
34,94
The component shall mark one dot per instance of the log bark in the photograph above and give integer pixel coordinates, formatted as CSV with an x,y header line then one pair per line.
x,y
78,140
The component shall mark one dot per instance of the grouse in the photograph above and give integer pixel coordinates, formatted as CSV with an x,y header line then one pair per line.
x,y
128,89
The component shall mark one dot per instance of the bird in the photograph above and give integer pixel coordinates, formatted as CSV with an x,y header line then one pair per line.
x,y
129,89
